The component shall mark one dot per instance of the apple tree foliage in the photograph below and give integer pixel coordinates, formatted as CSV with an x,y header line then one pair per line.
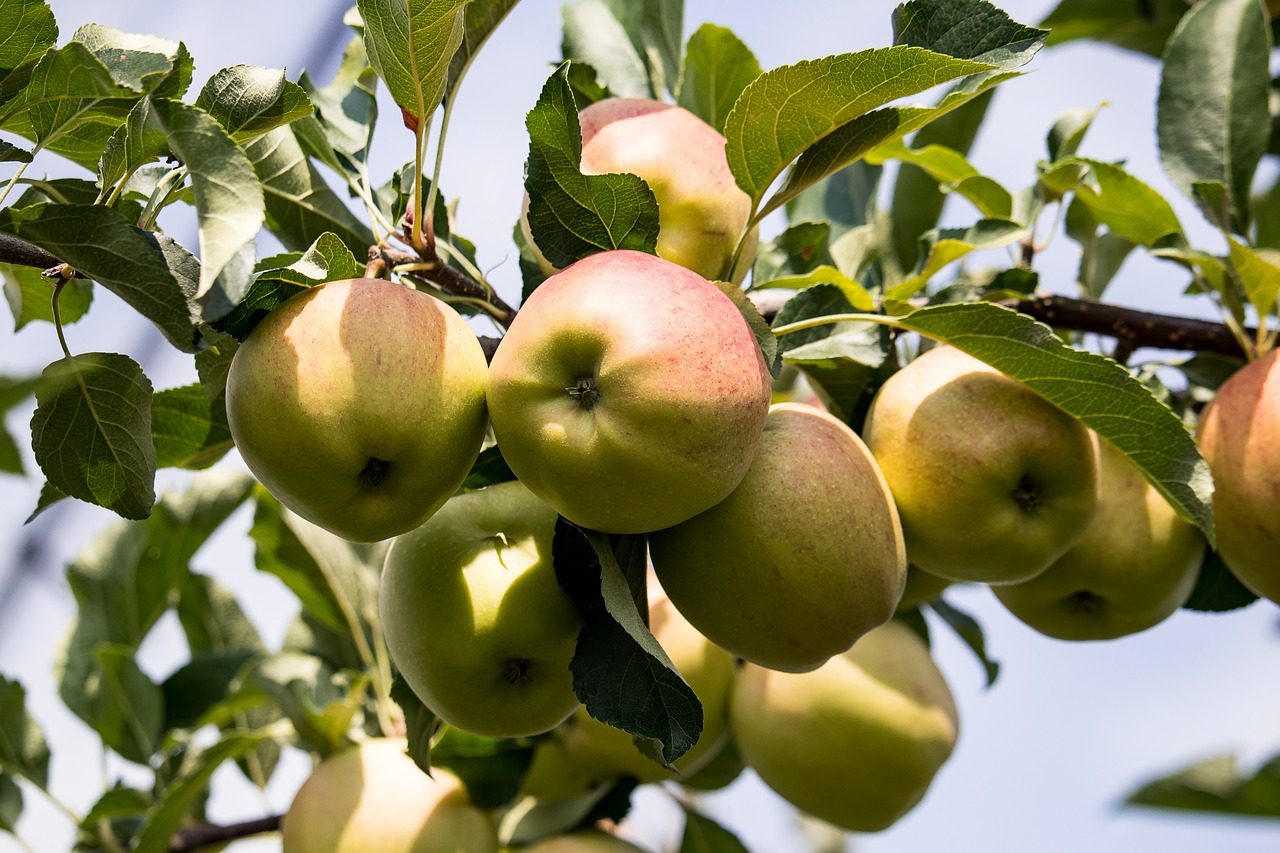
x,y
862,250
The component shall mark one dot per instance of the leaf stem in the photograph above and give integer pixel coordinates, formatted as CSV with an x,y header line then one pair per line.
x,y
22,167
57,317
829,319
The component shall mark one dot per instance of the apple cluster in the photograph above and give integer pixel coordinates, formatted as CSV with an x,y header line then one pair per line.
x,y
630,396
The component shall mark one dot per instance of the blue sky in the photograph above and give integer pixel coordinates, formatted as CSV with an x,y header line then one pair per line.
x,y
1043,757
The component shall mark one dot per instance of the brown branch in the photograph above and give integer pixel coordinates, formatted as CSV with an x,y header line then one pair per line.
x,y
444,276
203,836
15,251
1131,327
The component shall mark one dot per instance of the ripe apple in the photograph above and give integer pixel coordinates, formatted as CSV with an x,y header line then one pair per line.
x,y
1239,436
1135,566
709,671
992,481
359,404
855,742
373,797
629,393
701,210
583,841
474,618
804,557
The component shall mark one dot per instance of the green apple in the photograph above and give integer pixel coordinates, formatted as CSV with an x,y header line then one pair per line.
x,y
701,210
992,481
1239,436
582,841
720,771
373,797
360,405
629,393
709,672
474,618
1135,566
554,774
855,742
803,558
921,588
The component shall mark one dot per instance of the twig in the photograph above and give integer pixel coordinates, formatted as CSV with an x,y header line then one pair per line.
x,y
203,836
14,251
430,266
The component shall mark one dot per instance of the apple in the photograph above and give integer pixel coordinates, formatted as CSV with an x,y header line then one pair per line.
x,y
373,797
1239,436
720,771
1135,566
709,672
359,404
701,210
554,774
993,482
474,618
583,841
921,588
629,393
855,742
804,557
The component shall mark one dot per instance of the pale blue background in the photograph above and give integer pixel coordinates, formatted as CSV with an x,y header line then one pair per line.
x,y
1044,757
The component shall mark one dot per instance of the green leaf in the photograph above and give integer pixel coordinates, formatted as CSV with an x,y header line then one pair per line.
x,y
410,44
300,206
346,110
955,173
1216,786
229,198
10,803
1141,26
128,261
320,703
128,708
968,29
942,246
127,577
620,673
1217,590
489,469
1259,272
198,685
165,818
1118,200
12,392
78,95
213,362
421,724
91,432
593,34
968,629
27,30
335,579
248,100
704,835
491,768
48,497
23,751
189,431
785,111
717,67
845,200
139,140
1068,132
10,153
30,296
917,200
1101,254
572,215
1091,387
480,20
327,259
1212,118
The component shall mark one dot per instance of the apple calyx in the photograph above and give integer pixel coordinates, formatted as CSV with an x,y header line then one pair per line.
x,y
1027,494
585,392
374,471
516,670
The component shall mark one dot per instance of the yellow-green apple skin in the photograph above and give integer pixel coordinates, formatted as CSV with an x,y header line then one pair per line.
x,y
359,404
629,393
855,742
474,618
709,672
1239,435
993,482
803,558
554,774
373,797
1135,566
582,841
701,210
921,588
720,771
